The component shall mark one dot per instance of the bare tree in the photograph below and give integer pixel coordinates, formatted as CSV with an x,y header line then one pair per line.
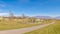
x,y
32,19
11,16
3,18
23,16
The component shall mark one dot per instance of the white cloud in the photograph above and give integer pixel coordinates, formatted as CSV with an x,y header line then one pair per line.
x,y
4,14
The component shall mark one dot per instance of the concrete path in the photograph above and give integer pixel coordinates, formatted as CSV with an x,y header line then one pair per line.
x,y
24,30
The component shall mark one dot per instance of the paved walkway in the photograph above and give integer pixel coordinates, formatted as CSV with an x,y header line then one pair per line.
x,y
24,30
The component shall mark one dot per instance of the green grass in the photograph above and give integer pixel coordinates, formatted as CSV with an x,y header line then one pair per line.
x,y
51,29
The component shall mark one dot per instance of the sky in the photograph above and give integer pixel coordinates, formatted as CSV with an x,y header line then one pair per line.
x,y
30,7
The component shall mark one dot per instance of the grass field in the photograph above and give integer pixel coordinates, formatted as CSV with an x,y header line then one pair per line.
x,y
51,29
15,24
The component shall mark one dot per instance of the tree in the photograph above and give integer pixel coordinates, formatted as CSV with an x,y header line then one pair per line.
x,y
23,16
2,19
33,19
11,16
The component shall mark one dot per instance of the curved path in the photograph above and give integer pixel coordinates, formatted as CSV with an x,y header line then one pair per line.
x,y
24,30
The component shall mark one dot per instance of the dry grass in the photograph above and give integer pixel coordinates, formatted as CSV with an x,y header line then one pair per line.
x,y
52,29
6,24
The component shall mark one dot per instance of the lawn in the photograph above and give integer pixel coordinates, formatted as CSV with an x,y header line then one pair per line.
x,y
51,29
